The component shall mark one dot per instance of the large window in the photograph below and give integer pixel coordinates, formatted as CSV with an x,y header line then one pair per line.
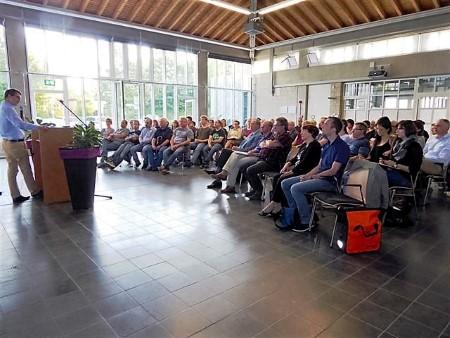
x,y
3,63
98,78
229,90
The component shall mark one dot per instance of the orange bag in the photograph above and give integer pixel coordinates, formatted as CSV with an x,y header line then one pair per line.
x,y
362,233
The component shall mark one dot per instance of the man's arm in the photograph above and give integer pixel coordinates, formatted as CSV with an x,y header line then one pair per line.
x,y
219,140
330,172
313,172
12,117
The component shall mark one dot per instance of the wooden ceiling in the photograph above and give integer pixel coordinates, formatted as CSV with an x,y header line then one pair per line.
x,y
205,20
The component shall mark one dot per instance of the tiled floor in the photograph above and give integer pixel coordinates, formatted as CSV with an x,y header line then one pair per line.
x,y
168,258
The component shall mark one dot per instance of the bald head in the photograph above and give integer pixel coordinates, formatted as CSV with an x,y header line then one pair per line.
x,y
442,127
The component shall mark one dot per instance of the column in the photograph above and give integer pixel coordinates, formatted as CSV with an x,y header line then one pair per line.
x,y
202,69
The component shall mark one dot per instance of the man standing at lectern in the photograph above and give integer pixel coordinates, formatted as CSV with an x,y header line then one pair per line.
x,y
11,130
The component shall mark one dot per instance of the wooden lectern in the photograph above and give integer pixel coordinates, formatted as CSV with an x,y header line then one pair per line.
x,y
48,166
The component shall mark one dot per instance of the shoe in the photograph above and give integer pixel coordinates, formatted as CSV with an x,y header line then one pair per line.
x,y
110,164
249,193
228,190
265,214
20,199
137,165
101,165
300,228
215,185
164,171
255,197
219,176
149,168
39,195
211,171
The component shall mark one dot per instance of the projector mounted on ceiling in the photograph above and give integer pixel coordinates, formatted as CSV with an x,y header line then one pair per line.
x,y
254,26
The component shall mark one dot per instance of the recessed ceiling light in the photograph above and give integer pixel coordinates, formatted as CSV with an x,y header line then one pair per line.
x,y
279,6
228,6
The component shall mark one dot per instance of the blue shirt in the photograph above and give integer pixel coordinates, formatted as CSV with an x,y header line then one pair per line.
x,y
252,141
11,125
338,151
358,146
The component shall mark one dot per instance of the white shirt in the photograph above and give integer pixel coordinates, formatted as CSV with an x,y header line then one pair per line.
x,y
437,149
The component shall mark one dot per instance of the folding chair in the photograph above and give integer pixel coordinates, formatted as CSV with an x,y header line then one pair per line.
x,y
441,180
404,191
350,194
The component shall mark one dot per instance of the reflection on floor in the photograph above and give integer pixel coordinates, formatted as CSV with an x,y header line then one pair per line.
x,y
168,258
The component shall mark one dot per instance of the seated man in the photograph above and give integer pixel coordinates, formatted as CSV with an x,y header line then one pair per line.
x,y
201,140
436,152
123,152
324,177
239,162
358,143
153,153
113,142
179,143
144,139
253,138
216,141
109,129
270,158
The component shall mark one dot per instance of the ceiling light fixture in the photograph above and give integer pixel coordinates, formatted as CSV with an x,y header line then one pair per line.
x,y
279,6
228,6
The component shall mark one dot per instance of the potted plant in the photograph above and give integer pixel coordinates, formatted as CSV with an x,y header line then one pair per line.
x,y
80,163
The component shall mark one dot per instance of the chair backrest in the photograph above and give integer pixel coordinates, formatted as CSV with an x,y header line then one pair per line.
x,y
355,184
292,153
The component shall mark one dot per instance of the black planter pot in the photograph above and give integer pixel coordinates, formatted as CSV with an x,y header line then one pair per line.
x,y
81,170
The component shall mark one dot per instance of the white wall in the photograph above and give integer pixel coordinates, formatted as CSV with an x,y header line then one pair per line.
x,y
318,102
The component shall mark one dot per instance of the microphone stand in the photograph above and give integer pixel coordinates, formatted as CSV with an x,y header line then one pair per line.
x,y
70,111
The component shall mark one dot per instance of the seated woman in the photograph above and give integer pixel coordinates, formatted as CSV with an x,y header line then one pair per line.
x,y
381,144
308,157
234,137
406,156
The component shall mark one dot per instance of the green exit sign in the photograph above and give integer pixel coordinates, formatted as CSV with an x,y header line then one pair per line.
x,y
49,83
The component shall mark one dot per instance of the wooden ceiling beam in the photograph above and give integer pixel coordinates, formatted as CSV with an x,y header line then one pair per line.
x,y
66,4
397,8
137,10
266,36
358,5
167,11
346,12
220,21
292,26
187,7
230,31
415,5
336,21
119,9
238,38
378,9
280,27
231,21
84,5
200,13
103,6
315,16
305,22
206,20
436,3
273,33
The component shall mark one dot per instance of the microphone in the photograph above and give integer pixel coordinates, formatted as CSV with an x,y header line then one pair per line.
x,y
70,111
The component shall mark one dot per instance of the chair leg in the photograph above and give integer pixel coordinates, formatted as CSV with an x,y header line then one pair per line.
x,y
313,211
334,230
428,190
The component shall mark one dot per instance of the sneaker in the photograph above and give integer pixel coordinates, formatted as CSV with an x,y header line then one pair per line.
x,y
110,164
249,193
300,228
255,197
215,185
228,190
101,165
137,165
219,176
164,171
211,171
20,199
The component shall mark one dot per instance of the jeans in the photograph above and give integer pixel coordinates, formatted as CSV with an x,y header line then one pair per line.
x,y
396,178
208,152
153,157
198,152
252,174
295,191
138,149
122,153
169,155
108,145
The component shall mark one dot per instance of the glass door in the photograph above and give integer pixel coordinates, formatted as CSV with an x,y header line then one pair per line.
x,y
132,101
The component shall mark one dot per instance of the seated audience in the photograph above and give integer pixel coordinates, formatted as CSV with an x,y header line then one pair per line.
x,y
175,124
324,177
350,124
179,145
247,130
239,162
155,124
216,141
145,139
422,134
358,143
109,129
371,131
201,140
270,158
381,144
406,156
153,153
437,149
123,152
113,142
292,130
234,137
343,133
307,158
